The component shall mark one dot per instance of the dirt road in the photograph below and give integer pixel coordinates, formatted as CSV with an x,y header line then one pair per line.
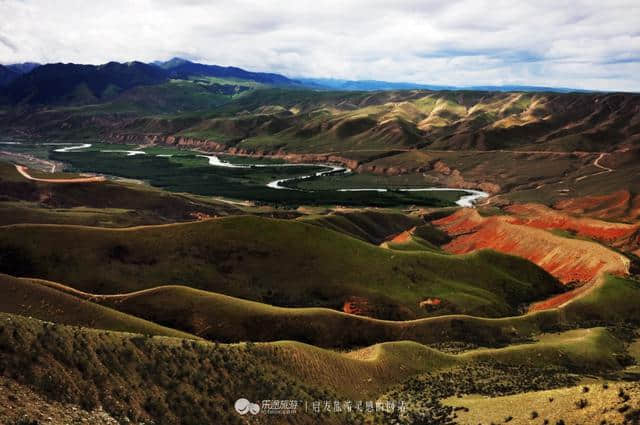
x,y
23,171
597,164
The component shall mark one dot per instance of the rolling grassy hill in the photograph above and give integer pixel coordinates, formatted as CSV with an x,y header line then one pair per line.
x,y
34,299
286,263
104,204
374,369
227,319
370,226
167,378
295,120
603,403
222,318
170,323
338,121
533,146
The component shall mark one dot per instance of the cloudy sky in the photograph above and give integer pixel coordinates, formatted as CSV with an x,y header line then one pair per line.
x,y
580,44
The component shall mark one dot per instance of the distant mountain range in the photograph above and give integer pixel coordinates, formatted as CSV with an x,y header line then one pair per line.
x,y
35,84
71,83
23,68
8,73
182,69
375,85
60,83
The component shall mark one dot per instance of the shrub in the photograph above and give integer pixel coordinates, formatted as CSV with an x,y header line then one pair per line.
x,y
582,403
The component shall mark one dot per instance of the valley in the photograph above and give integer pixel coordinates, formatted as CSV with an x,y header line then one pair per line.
x,y
243,178
177,236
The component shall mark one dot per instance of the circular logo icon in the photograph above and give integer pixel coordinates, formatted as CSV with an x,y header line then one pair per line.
x,y
254,408
244,406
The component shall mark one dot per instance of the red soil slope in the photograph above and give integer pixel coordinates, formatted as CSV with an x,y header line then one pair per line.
x,y
542,217
403,237
561,299
618,205
570,260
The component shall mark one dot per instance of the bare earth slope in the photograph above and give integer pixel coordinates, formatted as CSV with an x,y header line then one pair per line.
x,y
570,260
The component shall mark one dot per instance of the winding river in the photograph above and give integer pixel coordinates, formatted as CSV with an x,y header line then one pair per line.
x,y
70,148
468,200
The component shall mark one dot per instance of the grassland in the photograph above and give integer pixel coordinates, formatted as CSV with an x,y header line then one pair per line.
x,y
367,225
166,379
265,295
368,181
107,203
286,263
517,141
192,174
175,381
34,299
186,171
34,212
222,318
592,402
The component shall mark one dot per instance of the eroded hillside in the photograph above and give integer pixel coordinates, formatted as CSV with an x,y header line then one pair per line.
x,y
571,260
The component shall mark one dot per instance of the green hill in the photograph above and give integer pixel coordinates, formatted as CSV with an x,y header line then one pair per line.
x,y
29,298
110,204
370,226
376,368
285,263
170,381
222,318
167,381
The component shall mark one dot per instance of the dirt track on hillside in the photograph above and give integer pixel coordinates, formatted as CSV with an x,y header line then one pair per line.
x,y
596,163
23,171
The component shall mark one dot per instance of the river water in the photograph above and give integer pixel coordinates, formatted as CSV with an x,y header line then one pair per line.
x,y
468,200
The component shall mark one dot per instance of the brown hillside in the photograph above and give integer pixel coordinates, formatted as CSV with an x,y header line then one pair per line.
x,y
570,260
617,205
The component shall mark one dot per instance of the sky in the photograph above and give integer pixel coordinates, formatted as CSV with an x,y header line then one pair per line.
x,y
577,44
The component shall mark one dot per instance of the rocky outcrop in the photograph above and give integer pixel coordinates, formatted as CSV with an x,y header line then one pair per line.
x,y
213,147
159,139
442,174
389,171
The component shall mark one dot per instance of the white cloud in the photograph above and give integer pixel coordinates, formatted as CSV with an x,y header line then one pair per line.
x,y
584,44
